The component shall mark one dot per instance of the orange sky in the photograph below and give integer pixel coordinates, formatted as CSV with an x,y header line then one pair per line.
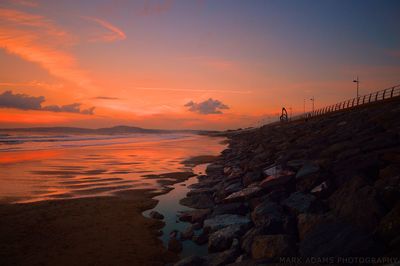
x,y
141,63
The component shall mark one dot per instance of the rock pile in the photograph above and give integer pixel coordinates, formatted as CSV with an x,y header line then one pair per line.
x,y
327,187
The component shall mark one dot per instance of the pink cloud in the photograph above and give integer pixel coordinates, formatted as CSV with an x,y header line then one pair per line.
x,y
28,3
37,39
114,33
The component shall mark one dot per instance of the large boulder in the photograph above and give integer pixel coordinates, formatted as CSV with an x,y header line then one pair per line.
x,y
275,181
273,246
299,202
338,239
194,216
220,221
268,214
222,239
358,203
243,194
156,215
306,222
307,169
389,226
198,201
223,258
231,208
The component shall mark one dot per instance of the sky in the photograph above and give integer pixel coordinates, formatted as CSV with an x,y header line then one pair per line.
x,y
189,64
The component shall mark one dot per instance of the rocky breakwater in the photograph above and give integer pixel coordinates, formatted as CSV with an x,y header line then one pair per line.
x,y
325,188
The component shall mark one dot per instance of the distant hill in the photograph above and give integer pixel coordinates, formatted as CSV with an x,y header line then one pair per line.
x,y
100,131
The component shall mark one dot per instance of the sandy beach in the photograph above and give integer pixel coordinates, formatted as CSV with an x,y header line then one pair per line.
x,y
88,231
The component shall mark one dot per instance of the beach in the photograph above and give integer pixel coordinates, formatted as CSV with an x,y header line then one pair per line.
x,y
90,212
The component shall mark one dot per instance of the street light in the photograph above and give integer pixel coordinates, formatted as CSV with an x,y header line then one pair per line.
x,y
358,84
313,100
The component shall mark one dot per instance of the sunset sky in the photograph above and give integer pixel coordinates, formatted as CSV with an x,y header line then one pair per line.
x,y
188,64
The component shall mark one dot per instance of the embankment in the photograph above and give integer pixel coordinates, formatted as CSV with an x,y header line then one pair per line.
x,y
327,188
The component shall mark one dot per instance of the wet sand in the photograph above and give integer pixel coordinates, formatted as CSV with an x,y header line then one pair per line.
x,y
107,230
86,231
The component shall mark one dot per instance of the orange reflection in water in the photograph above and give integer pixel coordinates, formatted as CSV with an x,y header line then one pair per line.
x,y
96,167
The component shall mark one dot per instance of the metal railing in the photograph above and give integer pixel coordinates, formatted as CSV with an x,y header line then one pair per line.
x,y
377,96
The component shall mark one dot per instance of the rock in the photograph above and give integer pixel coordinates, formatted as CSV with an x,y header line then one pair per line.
x,y
299,202
320,190
268,214
191,261
204,190
272,170
224,220
389,226
156,215
223,258
272,246
251,177
306,222
389,171
357,202
187,233
272,181
174,245
307,183
194,216
296,164
214,169
347,154
307,169
243,194
231,208
222,239
249,236
233,188
338,239
200,201
200,239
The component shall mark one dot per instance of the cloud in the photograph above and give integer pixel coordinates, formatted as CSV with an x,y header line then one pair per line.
x,y
194,90
105,98
114,34
25,102
28,3
209,106
37,39
156,7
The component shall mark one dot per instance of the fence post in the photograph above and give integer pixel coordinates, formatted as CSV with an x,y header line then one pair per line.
x,y
384,92
369,100
391,94
376,97
364,99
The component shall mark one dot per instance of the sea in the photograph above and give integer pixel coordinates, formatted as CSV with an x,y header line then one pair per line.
x,y
37,167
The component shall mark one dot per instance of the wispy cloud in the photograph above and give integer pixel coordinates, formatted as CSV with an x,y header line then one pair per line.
x,y
155,7
105,98
37,39
207,107
28,3
26,102
196,90
113,34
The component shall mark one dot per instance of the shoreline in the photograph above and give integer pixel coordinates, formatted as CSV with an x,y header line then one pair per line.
x,y
106,230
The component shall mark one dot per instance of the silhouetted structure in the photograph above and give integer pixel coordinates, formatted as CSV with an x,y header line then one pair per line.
x,y
284,115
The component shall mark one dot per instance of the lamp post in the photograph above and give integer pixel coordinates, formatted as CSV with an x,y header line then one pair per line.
x,y
358,84
313,100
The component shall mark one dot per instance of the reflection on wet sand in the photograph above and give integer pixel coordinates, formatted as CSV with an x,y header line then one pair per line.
x,y
88,169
